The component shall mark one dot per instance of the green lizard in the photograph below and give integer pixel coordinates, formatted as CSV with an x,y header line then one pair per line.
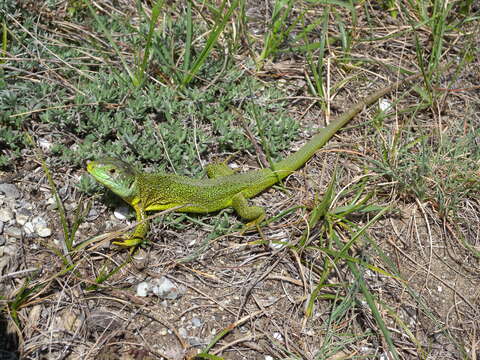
x,y
223,188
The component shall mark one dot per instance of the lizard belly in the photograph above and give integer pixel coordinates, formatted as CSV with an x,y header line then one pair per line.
x,y
193,207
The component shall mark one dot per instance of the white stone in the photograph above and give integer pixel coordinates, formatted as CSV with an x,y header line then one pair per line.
x,y
6,215
277,336
39,221
142,289
277,245
22,216
163,288
29,228
385,104
51,201
13,231
45,144
121,212
196,322
44,232
182,332
10,191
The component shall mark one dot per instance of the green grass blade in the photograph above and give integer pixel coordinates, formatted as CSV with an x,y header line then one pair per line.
x,y
316,88
4,41
369,298
319,211
327,267
207,356
188,39
81,212
211,41
112,42
360,232
344,4
58,201
141,71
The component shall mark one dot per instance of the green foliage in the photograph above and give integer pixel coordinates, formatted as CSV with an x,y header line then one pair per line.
x,y
4,43
22,296
431,169
279,29
11,136
154,123
7,7
341,236
170,48
290,32
103,113
157,123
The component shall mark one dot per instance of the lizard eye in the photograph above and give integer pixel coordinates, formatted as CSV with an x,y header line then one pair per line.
x,y
112,171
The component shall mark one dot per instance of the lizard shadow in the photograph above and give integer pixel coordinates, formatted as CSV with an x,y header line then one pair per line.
x,y
8,341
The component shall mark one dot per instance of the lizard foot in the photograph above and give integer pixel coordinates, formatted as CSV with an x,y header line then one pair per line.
x,y
254,224
129,242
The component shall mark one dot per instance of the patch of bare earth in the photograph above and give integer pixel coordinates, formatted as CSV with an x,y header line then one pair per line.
x,y
252,291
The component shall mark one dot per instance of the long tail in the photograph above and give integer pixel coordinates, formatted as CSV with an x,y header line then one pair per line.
x,y
296,160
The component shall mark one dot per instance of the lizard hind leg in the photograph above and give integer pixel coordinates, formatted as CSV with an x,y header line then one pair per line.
x,y
254,214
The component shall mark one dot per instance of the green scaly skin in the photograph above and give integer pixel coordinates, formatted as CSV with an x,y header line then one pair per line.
x,y
223,188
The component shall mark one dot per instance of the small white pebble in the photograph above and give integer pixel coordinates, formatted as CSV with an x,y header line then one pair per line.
x,y
44,232
196,322
22,215
45,144
13,231
29,228
385,104
40,226
70,206
6,215
182,332
142,289
121,212
384,356
277,336
166,289
39,221
277,245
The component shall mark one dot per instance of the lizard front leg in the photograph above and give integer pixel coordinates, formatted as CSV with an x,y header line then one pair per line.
x,y
137,237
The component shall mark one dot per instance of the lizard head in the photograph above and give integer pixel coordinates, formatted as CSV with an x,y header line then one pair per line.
x,y
115,174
